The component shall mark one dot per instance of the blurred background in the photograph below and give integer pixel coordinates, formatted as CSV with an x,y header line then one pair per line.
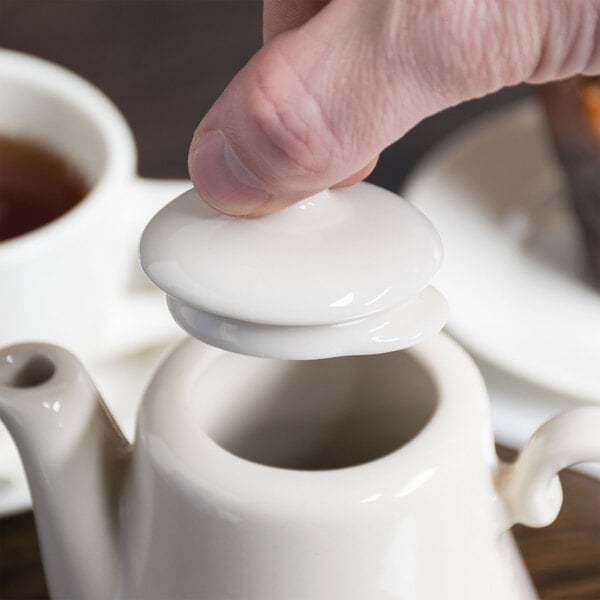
x,y
163,63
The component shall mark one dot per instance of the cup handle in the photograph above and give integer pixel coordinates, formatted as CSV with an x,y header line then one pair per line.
x,y
530,486
139,317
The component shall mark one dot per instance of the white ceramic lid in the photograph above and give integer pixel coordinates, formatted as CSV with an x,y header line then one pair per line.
x,y
339,255
334,258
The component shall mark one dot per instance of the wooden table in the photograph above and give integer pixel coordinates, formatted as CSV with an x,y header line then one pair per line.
x,y
164,63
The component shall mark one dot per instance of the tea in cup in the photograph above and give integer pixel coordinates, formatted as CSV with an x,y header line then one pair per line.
x,y
71,210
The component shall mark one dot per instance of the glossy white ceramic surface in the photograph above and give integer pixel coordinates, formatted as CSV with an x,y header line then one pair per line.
x,y
121,380
342,272
259,479
413,321
514,268
73,455
339,255
70,281
519,407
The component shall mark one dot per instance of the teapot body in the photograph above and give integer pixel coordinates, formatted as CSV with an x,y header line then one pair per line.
x,y
357,477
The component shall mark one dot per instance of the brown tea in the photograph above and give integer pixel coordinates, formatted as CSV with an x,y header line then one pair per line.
x,y
36,187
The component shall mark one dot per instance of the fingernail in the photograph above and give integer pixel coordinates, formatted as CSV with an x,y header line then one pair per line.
x,y
221,178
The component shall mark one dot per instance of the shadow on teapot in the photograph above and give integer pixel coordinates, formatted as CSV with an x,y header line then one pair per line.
x,y
322,414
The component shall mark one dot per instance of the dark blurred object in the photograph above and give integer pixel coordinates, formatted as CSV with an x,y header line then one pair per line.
x,y
573,112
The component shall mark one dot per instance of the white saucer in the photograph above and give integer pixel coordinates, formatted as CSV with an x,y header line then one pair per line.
x,y
121,383
514,272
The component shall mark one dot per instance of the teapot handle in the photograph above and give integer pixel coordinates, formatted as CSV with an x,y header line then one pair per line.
x,y
530,486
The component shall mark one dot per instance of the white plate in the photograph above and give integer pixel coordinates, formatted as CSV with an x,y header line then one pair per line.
x,y
513,272
121,383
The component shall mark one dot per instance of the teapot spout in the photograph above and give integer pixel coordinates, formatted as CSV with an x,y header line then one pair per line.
x,y
74,456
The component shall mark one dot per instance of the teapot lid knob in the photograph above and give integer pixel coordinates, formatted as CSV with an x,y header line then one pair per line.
x,y
345,271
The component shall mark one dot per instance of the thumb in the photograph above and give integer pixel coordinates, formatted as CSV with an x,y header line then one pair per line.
x,y
316,104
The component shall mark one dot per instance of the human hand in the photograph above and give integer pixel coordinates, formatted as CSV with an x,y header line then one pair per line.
x,y
336,82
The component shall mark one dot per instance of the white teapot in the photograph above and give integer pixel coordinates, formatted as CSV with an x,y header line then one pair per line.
x,y
366,471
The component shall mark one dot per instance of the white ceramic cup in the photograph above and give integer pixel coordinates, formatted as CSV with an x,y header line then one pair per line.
x,y
72,281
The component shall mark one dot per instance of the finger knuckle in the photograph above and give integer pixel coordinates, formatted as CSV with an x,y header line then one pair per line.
x,y
292,119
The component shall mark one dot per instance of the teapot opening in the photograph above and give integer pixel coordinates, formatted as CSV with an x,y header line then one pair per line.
x,y
35,370
315,415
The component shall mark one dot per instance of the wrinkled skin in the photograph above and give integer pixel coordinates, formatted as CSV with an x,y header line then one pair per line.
x,y
336,82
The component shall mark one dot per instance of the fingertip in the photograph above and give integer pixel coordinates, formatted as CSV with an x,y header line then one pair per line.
x,y
359,175
221,179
